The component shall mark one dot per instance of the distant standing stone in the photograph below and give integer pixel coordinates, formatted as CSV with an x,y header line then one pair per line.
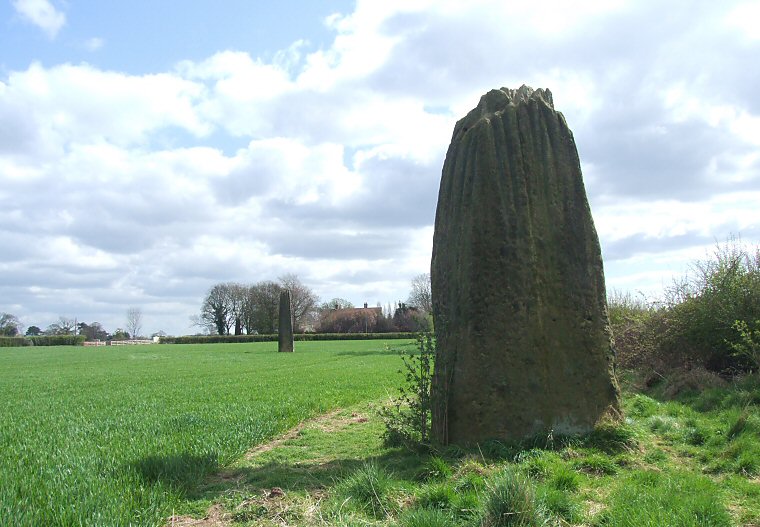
x,y
519,302
286,323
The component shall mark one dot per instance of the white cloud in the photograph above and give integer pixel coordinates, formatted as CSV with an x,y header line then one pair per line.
x,y
94,43
292,172
327,162
81,103
42,14
744,17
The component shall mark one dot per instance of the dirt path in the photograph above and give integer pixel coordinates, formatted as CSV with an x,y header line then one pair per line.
x,y
216,515
320,420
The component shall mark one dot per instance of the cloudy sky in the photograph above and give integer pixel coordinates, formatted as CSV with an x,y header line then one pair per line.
x,y
149,150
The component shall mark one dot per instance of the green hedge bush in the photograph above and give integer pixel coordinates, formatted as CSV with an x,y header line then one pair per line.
x,y
218,339
42,340
57,340
710,317
14,342
707,306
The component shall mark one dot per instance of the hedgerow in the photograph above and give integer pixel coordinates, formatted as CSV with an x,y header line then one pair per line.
x,y
230,339
13,342
709,318
43,340
57,340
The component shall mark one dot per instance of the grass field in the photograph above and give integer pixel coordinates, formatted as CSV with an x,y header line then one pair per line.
x,y
156,435
123,436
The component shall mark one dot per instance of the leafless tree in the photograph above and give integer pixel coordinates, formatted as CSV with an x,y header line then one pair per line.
x,y
420,296
237,297
9,325
303,300
336,303
64,326
204,325
134,321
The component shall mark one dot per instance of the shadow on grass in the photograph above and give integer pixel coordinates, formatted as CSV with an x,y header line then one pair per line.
x,y
368,353
308,477
400,463
390,349
182,471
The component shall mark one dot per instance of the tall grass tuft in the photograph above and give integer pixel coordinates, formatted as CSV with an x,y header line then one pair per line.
x,y
367,490
612,437
436,468
510,501
437,496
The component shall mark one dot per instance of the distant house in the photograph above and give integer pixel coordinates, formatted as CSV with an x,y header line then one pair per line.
x,y
351,320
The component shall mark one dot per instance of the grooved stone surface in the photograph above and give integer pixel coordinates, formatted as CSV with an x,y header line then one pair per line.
x,y
285,340
524,345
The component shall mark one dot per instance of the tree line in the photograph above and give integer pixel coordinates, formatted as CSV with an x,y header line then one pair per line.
x,y
233,308
10,326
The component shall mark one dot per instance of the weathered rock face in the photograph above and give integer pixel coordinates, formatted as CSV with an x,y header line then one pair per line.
x,y
524,345
285,342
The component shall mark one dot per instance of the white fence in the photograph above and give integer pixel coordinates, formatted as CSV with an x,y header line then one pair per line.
x,y
119,342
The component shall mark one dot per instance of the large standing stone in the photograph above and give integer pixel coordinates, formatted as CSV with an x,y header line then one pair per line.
x,y
285,342
524,345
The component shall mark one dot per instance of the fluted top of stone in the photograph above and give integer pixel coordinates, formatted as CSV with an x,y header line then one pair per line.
x,y
496,101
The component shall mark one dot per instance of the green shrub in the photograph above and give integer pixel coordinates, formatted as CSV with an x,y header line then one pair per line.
x,y
510,500
43,340
631,321
710,317
746,345
706,308
407,419
14,342
57,340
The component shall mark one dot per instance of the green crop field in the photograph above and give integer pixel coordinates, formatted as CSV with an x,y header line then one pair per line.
x,y
121,436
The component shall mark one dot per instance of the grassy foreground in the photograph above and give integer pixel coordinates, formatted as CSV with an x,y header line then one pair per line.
x,y
689,462
122,436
